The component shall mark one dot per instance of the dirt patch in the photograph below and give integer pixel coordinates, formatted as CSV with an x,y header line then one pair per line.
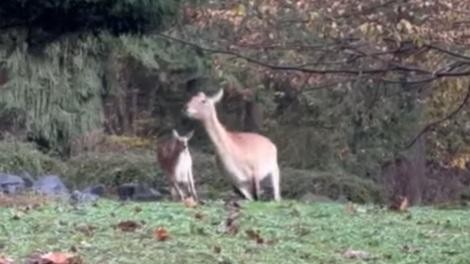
x,y
19,200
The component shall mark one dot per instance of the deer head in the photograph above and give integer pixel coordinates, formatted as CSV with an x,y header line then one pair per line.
x,y
182,140
201,106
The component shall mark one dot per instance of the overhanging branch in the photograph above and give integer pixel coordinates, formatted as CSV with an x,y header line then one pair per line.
x,y
432,125
350,71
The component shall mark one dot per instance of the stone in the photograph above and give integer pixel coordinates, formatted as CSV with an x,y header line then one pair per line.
x,y
97,190
78,197
50,185
11,184
138,192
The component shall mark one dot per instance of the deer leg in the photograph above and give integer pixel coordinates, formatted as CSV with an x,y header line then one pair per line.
x,y
275,180
178,190
245,189
256,188
191,185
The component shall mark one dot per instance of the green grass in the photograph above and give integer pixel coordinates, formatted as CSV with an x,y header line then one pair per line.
x,y
302,233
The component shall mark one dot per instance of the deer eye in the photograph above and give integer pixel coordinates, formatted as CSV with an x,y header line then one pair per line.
x,y
204,101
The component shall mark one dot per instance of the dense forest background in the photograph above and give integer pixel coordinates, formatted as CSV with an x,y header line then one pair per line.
x,y
366,100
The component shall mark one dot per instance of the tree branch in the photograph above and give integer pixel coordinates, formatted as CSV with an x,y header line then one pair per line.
x,y
350,71
432,125
448,52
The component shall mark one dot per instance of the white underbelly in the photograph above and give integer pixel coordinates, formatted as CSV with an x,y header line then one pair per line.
x,y
238,172
183,167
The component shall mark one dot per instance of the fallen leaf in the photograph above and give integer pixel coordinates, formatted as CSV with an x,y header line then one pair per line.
x,y
137,209
189,202
161,234
356,254
128,226
199,215
217,249
255,235
55,258
410,249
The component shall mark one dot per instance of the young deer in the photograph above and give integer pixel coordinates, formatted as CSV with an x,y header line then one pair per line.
x,y
175,160
247,157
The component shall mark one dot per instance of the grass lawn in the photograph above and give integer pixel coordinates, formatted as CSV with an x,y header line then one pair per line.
x,y
289,232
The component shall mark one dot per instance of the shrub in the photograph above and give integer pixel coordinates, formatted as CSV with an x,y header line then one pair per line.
x,y
19,157
296,183
114,168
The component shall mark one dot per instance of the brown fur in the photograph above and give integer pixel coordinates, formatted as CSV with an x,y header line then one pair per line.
x,y
168,151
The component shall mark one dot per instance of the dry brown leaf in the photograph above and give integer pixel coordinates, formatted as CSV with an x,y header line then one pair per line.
x,y
137,209
255,235
55,258
199,215
217,249
161,234
128,226
190,202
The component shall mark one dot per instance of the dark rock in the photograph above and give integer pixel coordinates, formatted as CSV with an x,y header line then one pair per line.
x,y
28,179
78,197
126,191
50,185
137,192
11,184
97,190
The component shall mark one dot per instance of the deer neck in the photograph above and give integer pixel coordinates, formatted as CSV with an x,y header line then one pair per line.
x,y
219,136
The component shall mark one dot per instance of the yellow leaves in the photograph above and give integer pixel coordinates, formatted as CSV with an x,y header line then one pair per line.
x,y
371,30
460,161
313,15
240,10
405,26
129,142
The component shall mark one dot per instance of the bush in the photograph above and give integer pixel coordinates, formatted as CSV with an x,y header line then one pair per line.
x,y
208,176
295,183
19,157
114,168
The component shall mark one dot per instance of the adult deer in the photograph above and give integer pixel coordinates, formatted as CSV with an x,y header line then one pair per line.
x,y
175,160
247,157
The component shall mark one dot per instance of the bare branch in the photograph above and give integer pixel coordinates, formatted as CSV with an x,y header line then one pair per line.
x,y
448,52
432,125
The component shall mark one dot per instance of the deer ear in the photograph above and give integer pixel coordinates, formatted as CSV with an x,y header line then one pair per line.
x,y
216,98
190,134
175,133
